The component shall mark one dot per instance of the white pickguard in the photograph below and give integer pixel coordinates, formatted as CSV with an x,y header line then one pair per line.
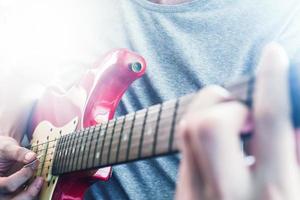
x,y
45,132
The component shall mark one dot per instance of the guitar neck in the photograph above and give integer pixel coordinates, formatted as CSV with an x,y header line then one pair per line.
x,y
146,133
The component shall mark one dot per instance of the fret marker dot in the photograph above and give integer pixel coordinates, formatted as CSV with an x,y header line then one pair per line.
x,y
149,132
102,133
97,155
124,137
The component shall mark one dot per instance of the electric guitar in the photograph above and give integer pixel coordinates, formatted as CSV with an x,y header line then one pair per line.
x,y
74,134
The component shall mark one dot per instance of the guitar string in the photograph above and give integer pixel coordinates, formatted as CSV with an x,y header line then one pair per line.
x,y
105,145
81,133
244,81
101,133
135,146
134,138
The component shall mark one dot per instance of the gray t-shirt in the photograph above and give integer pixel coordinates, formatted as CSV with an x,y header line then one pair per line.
x,y
186,47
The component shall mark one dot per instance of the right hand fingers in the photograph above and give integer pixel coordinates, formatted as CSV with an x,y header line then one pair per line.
x,y
32,191
10,150
13,182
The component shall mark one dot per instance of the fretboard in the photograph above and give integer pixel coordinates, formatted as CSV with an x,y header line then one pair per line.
x,y
146,133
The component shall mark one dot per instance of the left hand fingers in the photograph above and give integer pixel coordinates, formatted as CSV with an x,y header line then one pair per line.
x,y
274,134
213,137
189,174
274,139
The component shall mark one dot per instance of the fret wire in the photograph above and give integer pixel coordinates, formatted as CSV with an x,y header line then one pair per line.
x,y
31,146
165,123
55,155
125,136
65,151
134,145
130,135
165,139
60,155
85,153
142,134
69,136
82,151
102,146
90,146
74,158
173,125
141,123
126,148
162,140
71,157
44,158
149,130
67,144
90,141
111,140
156,130
120,137
138,125
98,134
78,150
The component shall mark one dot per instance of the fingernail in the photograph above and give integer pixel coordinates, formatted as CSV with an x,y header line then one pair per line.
x,y
29,156
39,182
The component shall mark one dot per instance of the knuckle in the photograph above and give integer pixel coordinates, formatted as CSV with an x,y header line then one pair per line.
x,y
200,126
208,127
31,194
209,123
28,173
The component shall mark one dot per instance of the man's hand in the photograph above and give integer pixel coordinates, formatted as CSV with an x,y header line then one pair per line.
x,y
213,165
11,184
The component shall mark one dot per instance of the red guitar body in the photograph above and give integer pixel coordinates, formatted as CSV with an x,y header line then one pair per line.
x,y
91,101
